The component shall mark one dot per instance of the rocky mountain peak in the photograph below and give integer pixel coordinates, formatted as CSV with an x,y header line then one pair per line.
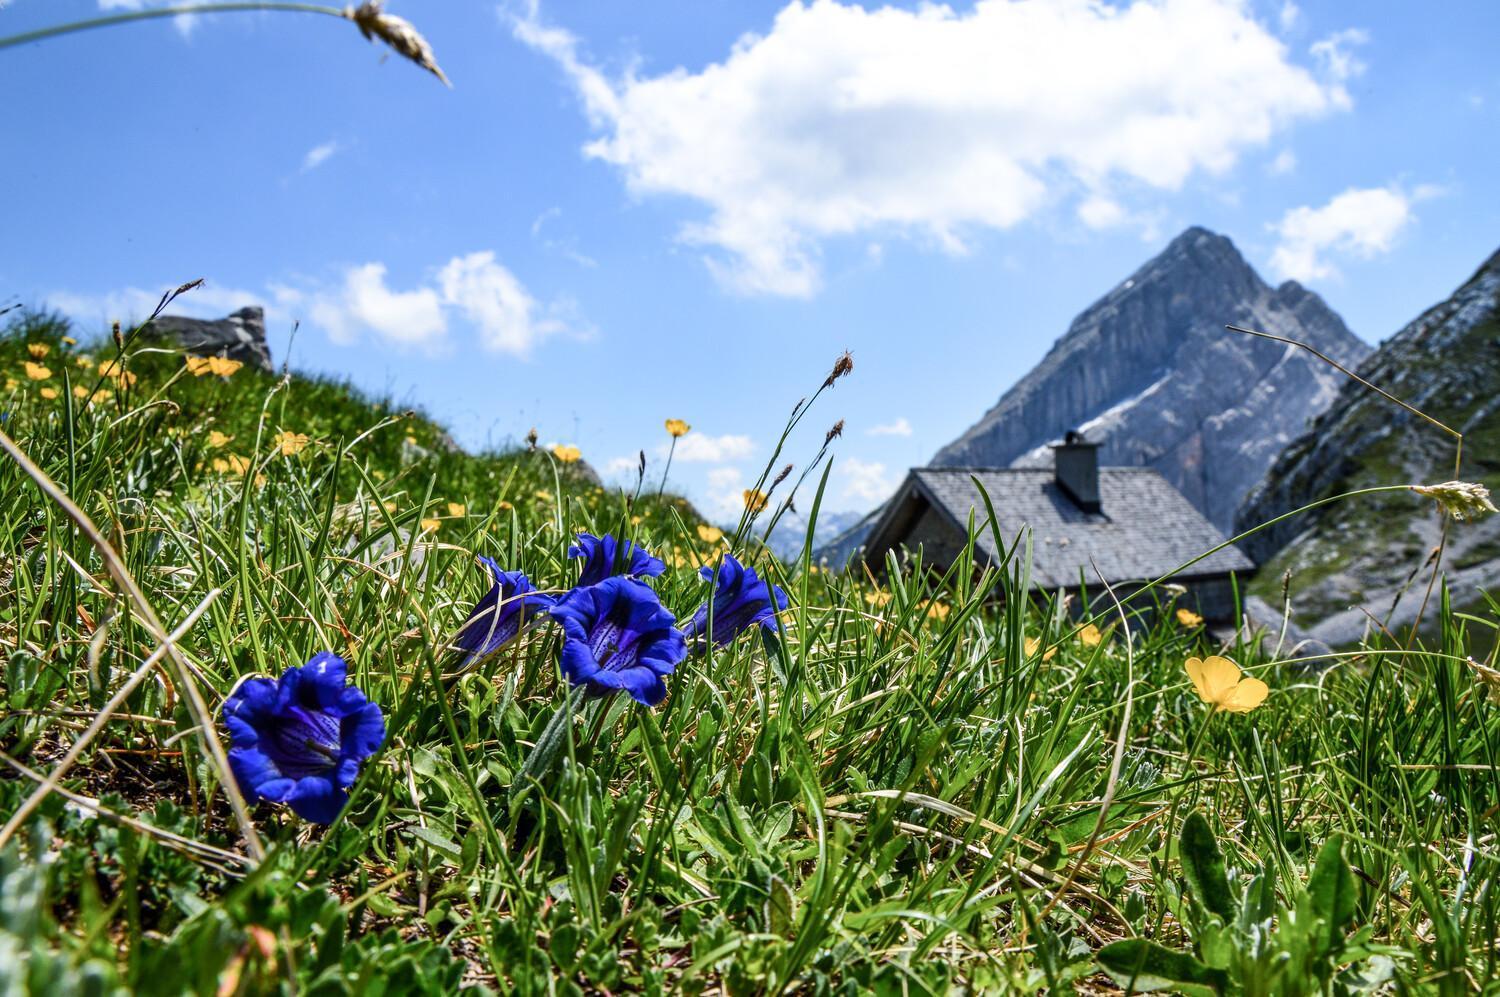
x,y
1149,372
1347,558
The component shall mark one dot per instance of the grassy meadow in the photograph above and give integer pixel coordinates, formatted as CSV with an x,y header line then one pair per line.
x,y
918,785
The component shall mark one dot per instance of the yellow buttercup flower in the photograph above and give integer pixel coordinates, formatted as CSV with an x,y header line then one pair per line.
x,y
430,525
1188,618
756,500
1034,644
197,366
231,464
566,452
678,428
1220,682
37,372
223,366
79,391
289,443
937,610
49,393
217,439
457,509
116,370
709,534
1090,636
70,341
38,350
544,495
11,383
505,506
84,362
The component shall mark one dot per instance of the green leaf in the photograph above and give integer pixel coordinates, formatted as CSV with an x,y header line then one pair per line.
x,y
549,744
779,907
1142,965
447,846
1203,866
1332,891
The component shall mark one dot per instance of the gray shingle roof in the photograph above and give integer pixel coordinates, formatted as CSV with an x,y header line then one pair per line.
x,y
1145,529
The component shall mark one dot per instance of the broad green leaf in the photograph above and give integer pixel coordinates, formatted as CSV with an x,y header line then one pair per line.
x,y
1203,866
1332,891
1142,965
779,907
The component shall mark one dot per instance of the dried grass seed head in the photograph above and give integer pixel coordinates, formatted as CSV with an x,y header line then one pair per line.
x,y
1460,499
397,32
843,365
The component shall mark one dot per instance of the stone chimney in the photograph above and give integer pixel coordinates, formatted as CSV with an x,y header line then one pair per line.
x,y
1077,470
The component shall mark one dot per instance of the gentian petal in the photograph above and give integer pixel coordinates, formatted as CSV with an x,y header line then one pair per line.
x,y
300,740
317,799
604,557
618,636
578,662
257,775
741,599
498,616
363,733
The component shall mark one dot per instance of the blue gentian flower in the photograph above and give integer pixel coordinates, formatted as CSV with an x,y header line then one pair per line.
x,y
510,604
741,600
300,740
606,557
618,635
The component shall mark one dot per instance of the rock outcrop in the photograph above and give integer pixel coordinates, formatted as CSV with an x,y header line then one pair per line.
x,y
240,336
1150,372
1364,559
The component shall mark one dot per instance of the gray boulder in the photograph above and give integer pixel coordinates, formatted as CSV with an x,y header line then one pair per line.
x,y
240,336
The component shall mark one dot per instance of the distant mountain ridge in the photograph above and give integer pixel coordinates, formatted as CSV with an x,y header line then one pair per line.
x,y
1149,372
1355,556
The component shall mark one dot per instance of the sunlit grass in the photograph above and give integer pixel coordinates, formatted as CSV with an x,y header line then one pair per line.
x,y
905,790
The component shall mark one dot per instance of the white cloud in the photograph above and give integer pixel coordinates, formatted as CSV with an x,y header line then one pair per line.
x,y
900,427
493,299
865,481
319,154
726,499
1284,163
134,304
702,448
1097,211
475,288
1361,223
933,123
619,466
1334,55
1289,16
366,303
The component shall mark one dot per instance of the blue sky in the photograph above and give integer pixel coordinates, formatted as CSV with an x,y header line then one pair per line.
x,y
627,212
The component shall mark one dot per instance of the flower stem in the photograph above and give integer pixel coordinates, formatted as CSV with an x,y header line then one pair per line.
x,y
1187,779
140,15
666,470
